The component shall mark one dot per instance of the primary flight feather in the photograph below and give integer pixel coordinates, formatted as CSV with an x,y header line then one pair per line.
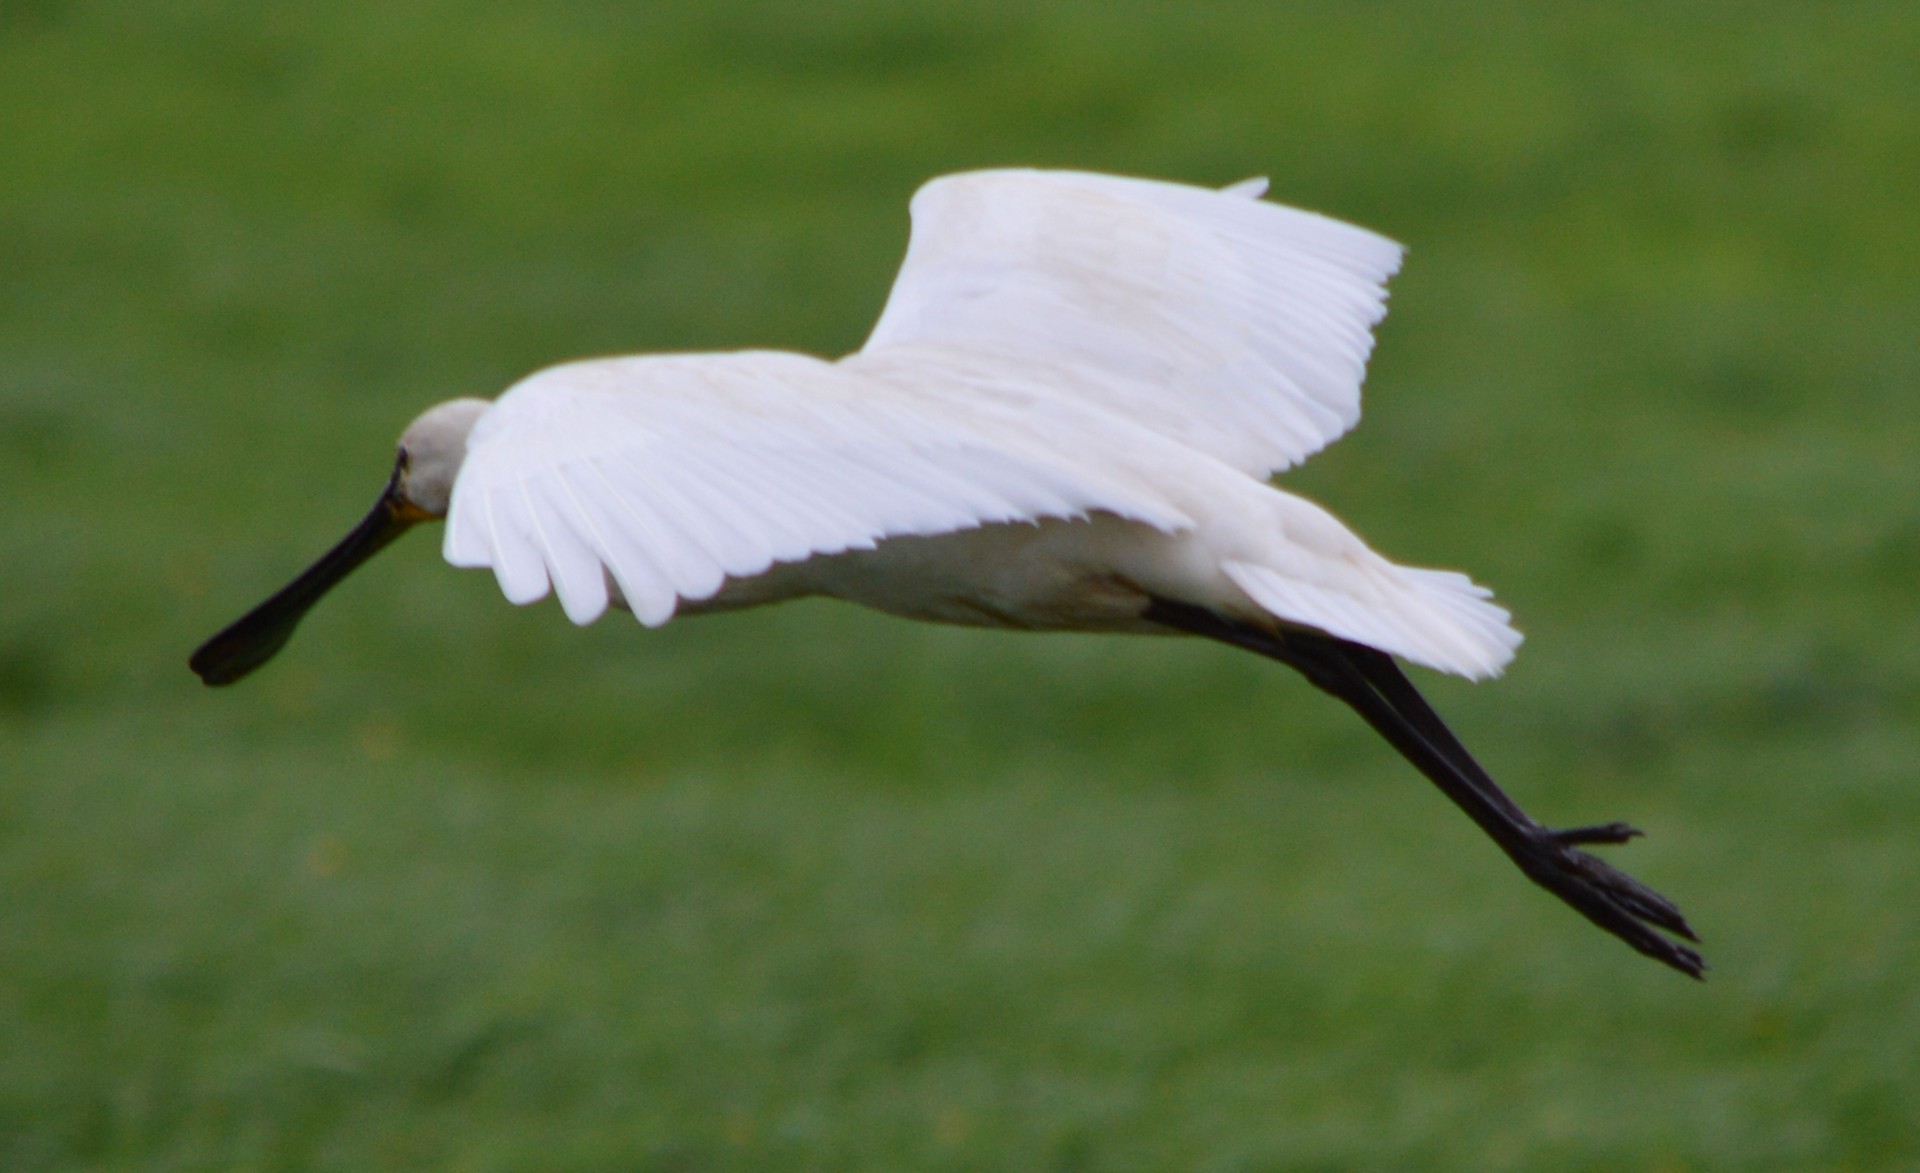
x,y
1064,419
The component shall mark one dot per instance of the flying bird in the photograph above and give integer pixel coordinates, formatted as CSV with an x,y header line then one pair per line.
x,y
1066,419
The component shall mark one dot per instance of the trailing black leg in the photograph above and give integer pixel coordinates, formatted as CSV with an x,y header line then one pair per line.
x,y
1371,683
1385,675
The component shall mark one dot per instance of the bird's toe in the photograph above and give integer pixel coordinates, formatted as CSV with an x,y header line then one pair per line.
x,y
1598,833
1612,899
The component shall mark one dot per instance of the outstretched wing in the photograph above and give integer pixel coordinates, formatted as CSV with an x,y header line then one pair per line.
x,y
673,473
1237,327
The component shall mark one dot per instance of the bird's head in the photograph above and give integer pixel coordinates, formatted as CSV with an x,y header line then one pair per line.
x,y
431,451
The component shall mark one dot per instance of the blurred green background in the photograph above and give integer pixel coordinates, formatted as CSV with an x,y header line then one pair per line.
x,y
456,886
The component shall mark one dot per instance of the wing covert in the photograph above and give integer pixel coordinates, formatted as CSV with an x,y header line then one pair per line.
x,y
672,474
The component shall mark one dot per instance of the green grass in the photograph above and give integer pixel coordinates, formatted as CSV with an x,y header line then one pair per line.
x,y
457,886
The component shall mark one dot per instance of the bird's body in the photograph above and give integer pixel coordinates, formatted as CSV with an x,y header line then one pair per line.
x,y
1065,419
1118,514
1048,575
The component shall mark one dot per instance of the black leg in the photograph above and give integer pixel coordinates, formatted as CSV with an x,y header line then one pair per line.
x,y
1371,683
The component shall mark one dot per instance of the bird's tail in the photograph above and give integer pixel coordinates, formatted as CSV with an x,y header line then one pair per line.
x,y
1439,618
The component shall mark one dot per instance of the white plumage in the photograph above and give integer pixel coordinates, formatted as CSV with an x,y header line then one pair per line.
x,y
1057,346
1064,419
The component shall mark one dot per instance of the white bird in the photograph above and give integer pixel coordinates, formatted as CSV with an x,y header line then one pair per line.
x,y
1066,419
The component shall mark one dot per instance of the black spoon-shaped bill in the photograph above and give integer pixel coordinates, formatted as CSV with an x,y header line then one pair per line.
x,y
257,636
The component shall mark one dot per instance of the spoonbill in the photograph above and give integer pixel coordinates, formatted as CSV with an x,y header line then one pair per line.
x,y
1066,419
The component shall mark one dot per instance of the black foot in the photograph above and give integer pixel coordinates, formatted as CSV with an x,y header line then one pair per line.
x,y
1607,896
1368,680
